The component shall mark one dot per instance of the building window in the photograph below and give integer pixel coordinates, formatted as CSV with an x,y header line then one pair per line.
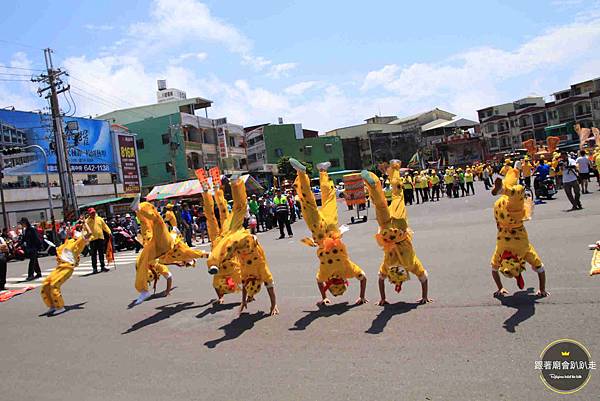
x,y
308,150
328,147
144,171
166,139
140,143
335,162
279,152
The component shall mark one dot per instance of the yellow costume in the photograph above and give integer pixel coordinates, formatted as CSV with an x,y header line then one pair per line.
x,y
512,245
236,252
170,217
228,278
506,167
160,248
394,236
335,266
67,257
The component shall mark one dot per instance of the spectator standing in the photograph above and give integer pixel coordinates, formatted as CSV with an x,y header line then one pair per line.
x,y
100,234
435,186
187,221
3,260
570,185
282,213
469,181
131,226
254,210
32,247
583,165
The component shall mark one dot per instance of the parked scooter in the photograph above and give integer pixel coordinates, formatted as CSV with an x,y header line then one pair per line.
x,y
122,239
48,247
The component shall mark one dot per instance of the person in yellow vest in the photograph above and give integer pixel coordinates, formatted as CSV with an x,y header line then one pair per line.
x,y
449,181
418,187
507,165
408,188
170,218
100,234
335,266
557,170
526,171
394,236
469,181
513,248
67,258
435,185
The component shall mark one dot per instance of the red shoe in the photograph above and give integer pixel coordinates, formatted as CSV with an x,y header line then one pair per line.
x,y
520,282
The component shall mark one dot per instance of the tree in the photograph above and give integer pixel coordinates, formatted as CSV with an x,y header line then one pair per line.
x,y
287,171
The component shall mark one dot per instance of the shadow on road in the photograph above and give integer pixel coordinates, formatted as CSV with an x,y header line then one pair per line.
x,y
164,312
237,327
323,311
389,311
217,308
151,297
68,308
524,302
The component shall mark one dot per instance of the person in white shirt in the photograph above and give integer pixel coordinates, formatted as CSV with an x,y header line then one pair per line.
x,y
570,185
583,165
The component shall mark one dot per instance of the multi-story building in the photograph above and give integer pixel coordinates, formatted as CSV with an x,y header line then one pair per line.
x,y
173,141
384,137
268,143
507,125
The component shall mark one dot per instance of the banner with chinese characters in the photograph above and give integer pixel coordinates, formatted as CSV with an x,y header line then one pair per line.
x,y
222,141
129,166
354,189
89,143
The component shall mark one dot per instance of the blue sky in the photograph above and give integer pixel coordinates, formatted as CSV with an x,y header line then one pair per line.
x,y
324,64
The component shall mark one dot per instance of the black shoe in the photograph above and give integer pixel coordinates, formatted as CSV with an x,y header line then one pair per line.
x,y
95,271
39,275
104,270
282,237
30,278
580,207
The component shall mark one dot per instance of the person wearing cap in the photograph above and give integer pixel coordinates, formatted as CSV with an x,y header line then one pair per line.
x,y
131,226
100,233
449,181
170,218
469,181
282,212
526,171
506,167
435,186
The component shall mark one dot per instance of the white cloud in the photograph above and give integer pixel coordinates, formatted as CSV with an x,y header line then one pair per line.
x,y
281,70
187,56
104,27
299,88
481,72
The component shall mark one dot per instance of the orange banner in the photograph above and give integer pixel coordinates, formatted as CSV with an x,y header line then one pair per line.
x,y
215,173
354,190
201,175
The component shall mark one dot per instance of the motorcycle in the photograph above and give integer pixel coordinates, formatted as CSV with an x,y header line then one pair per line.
x,y
545,188
48,247
123,239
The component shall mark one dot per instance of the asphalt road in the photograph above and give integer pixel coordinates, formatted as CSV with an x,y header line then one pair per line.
x,y
466,345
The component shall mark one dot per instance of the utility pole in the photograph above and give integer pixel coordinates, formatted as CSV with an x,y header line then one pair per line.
x,y
55,87
173,147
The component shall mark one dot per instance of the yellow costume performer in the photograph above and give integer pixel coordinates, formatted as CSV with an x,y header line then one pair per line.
x,y
394,236
512,246
67,256
335,266
170,218
227,273
160,248
237,255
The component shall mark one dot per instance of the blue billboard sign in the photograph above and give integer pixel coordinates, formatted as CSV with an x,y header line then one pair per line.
x,y
90,146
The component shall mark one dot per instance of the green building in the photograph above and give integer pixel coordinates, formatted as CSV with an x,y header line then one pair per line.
x,y
302,144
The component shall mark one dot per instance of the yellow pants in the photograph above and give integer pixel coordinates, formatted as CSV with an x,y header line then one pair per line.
x,y
323,223
51,294
515,241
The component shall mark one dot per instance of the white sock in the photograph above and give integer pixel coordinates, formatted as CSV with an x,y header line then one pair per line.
x,y
143,296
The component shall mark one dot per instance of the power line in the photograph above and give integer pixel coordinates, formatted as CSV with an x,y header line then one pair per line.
x,y
20,44
15,75
15,80
21,68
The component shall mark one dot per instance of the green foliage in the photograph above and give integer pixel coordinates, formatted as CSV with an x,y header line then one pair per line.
x,y
288,172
